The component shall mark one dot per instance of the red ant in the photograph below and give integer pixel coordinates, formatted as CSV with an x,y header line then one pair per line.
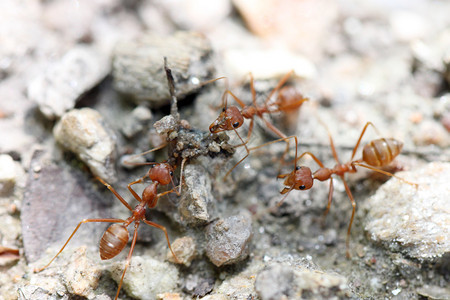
x,y
116,236
377,153
231,117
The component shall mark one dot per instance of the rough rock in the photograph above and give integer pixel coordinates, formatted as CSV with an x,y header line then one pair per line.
x,y
53,194
138,66
242,284
84,132
410,220
196,14
275,282
434,292
136,121
166,124
196,206
228,239
8,174
146,278
215,297
185,250
169,296
58,88
81,275
281,281
77,275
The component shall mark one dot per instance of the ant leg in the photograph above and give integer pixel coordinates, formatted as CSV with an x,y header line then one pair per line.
x,y
349,194
385,173
281,176
333,149
73,233
279,85
136,196
360,137
242,159
313,157
141,154
239,101
211,81
150,223
284,191
127,263
174,190
330,198
115,193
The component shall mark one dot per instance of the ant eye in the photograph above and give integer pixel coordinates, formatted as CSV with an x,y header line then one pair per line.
x,y
298,168
236,124
302,187
171,173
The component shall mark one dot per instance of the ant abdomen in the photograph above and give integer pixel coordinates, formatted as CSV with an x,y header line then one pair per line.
x,y
113,241
381,152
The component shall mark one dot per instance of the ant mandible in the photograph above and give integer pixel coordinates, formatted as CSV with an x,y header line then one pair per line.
x,y
116,236
377,153
231,117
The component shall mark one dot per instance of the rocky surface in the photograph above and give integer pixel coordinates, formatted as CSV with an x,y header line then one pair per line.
x,y
141,281
138,65
84,132
228,240
357,62
57,90
413,220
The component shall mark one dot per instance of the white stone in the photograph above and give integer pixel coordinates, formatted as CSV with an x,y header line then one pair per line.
x,y
415,221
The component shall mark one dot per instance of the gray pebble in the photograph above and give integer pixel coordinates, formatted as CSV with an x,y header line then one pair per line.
x,y
185,250
228,239
59,87
146,278
274,282
84,132
138,65
281,281
73,273
413,220
166,125
196,206
8,173
56,199
136,121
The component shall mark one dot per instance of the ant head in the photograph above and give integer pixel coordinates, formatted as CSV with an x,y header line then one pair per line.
x,y
234,118
230,118
303,179
161,173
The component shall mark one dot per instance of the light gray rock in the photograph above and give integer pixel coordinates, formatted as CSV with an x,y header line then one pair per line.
x,y
228,239
196,206
280,281
146,278
136,121
185,249
275,282
84,132
138,66
196,14
8,173
72,273
410,220
59,87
